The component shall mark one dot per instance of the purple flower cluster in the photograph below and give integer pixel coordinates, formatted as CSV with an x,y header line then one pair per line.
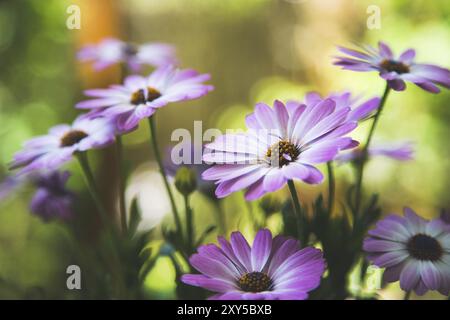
x,y
282,144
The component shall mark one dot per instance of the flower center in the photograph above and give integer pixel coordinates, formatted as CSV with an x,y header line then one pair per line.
x,y
282,153
130,50
152,94
424,247
139,96
255,282
72,137
396,66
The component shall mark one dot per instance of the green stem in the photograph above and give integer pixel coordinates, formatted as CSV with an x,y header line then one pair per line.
x,y
407,295
90,182
331,187
122,178
189,224
154,144
365,148
296,205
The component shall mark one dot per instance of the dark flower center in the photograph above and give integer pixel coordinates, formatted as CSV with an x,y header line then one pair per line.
x,y
152,94
396,66
424,247
130,50
72,137
255,282
282,153
139,96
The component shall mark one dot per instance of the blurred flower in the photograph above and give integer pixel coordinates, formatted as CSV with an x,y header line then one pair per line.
x,y
413,250
282,144
270,270
395,70
204,186
110,51
359,111
52,199
140,97
401,151
49,152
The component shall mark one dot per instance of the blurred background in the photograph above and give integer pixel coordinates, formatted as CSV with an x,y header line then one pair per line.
x,y
255,51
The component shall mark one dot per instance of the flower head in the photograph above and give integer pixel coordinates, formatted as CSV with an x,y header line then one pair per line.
x,y
111,51
49,152
271,269
401,151
52,199
395,70
283,143
413,250
139,97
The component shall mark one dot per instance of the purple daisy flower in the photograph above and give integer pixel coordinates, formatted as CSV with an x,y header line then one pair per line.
x,y
52,199
282,144
395,70
111,51
401,151
49,152
272,269
139,97
413,250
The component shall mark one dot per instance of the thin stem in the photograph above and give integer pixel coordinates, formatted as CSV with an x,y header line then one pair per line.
x,y
407,295
189,224
296,204
154,144
366,147
90,182
122,178
331,187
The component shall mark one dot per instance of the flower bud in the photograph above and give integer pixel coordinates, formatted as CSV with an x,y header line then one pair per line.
x,y
185,181
271,203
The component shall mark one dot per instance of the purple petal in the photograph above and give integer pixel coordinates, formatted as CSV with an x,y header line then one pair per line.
x,y
241,249
261,248
430,275
364,110
407,56
429,86
410,275
274,180
385,51
397,84
215,285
